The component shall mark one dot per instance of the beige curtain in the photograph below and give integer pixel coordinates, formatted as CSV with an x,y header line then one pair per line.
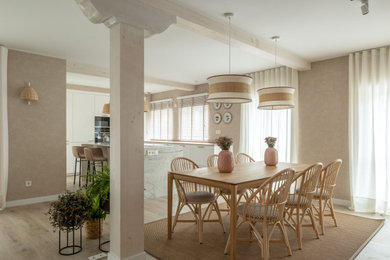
x,y
3,127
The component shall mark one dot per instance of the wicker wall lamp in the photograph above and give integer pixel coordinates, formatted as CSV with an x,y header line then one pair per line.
x,y
106,107
229,88
29,94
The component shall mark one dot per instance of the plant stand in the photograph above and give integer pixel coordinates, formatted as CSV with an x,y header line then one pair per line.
x,y
100,242
71,248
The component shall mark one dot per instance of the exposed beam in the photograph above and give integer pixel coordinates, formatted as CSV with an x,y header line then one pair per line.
x,y
197,22
74,67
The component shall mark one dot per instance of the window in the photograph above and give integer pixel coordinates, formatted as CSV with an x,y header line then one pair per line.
x,y
193,118
162,120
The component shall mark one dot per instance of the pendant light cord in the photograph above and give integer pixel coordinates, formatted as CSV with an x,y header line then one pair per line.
x,y
230,47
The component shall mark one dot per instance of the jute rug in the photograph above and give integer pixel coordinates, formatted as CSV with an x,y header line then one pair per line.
x,y
342,242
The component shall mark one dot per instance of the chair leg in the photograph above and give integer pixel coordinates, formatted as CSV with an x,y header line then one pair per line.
x,y
88,170
80,171
75,170
299,228
200,225
93,171
179,208
285,237
313,222
330,203
265,241
321,216
215,204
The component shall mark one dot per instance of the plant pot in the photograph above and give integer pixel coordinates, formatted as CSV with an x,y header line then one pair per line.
x,y
92,229
225,161
271,156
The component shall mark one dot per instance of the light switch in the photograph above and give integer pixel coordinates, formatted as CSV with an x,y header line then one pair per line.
x,y
217,132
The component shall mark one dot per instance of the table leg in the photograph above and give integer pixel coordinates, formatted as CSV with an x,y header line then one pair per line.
x,y
170,184
233,220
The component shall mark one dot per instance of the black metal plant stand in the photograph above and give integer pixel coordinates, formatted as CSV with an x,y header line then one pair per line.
x,y
71,248
100,242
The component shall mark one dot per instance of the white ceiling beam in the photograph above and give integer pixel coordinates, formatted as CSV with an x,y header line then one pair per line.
x,y
74,67
197,22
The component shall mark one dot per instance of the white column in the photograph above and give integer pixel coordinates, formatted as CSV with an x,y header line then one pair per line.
x,y
127,142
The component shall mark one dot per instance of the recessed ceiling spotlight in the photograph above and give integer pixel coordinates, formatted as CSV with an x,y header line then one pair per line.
x,y
364,7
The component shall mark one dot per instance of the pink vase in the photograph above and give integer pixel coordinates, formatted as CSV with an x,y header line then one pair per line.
x,y
225,161
271,156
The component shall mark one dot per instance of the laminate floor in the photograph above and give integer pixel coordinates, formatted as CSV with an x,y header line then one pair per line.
x,y
25,233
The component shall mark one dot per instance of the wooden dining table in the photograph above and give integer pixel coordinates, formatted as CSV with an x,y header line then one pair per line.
x,y
244,176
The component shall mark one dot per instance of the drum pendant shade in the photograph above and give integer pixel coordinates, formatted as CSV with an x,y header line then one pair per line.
x,y
274,98
230,88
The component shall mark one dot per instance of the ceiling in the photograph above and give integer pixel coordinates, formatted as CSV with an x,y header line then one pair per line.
x,y
312,29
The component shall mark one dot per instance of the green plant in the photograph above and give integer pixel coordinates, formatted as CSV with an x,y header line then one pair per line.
x,y
69,212
97,193
270,141
224,142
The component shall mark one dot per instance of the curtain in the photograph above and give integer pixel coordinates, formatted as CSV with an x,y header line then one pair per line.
x,y
258,124
3,127
369,127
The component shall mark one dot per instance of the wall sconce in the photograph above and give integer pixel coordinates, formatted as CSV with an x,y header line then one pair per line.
x,y
29,94
106,108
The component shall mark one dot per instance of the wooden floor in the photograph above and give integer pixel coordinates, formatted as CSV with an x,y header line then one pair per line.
x,y
25,233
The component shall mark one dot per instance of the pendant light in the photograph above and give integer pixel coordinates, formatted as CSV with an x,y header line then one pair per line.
x,y
276,97
229,88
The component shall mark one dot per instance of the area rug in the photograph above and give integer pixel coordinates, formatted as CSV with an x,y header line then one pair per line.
x,y
342,242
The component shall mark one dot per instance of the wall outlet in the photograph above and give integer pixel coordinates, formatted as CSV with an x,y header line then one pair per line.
x,y
218,132
28,183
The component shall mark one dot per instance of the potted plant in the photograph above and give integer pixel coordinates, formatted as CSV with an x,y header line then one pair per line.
x,y
68,214
98,193
271,154
225,157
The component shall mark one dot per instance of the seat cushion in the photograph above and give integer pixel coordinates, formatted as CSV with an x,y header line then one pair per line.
x,y
226,191
292,200
200,196
255,210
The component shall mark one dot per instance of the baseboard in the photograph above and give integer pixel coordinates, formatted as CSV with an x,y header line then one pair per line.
x,y
340,202
140,256
14,203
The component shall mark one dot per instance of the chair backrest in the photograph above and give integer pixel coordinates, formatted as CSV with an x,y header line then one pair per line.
x,y
182,187
212,160
328,178
78,151
243,158
306,184
91,153
270,198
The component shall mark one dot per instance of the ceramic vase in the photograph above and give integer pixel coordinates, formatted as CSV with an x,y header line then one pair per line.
x,y
271,156
225,161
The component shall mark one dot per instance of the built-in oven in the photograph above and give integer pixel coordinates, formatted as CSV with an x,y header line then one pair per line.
x,y
102,129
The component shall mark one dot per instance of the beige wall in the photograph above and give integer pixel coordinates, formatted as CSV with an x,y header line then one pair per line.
x,y
36,132
230,130
323,113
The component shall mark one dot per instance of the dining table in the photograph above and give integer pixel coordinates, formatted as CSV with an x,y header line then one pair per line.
x,y
243,176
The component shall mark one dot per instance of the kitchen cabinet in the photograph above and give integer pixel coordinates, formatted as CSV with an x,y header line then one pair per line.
x,y
81,109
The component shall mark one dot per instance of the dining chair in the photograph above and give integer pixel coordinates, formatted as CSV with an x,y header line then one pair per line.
x,y
324,192
244,158
212,161
266,206
193,196
300,201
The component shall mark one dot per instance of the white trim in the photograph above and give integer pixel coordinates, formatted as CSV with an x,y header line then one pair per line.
x,y
140,256
192,96
161,100
340,202
23,202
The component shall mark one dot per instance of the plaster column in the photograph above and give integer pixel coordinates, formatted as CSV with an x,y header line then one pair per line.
x,y
127,142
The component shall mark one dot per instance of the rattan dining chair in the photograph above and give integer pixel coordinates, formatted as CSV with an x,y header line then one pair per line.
x,y
244,158
324,192
212,160
300,202
266,206
193,196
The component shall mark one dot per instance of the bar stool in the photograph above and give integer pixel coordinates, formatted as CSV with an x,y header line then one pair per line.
x,y
94,155
78,153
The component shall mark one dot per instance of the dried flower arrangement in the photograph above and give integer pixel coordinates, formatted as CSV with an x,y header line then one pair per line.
x,y
270,141
224,142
